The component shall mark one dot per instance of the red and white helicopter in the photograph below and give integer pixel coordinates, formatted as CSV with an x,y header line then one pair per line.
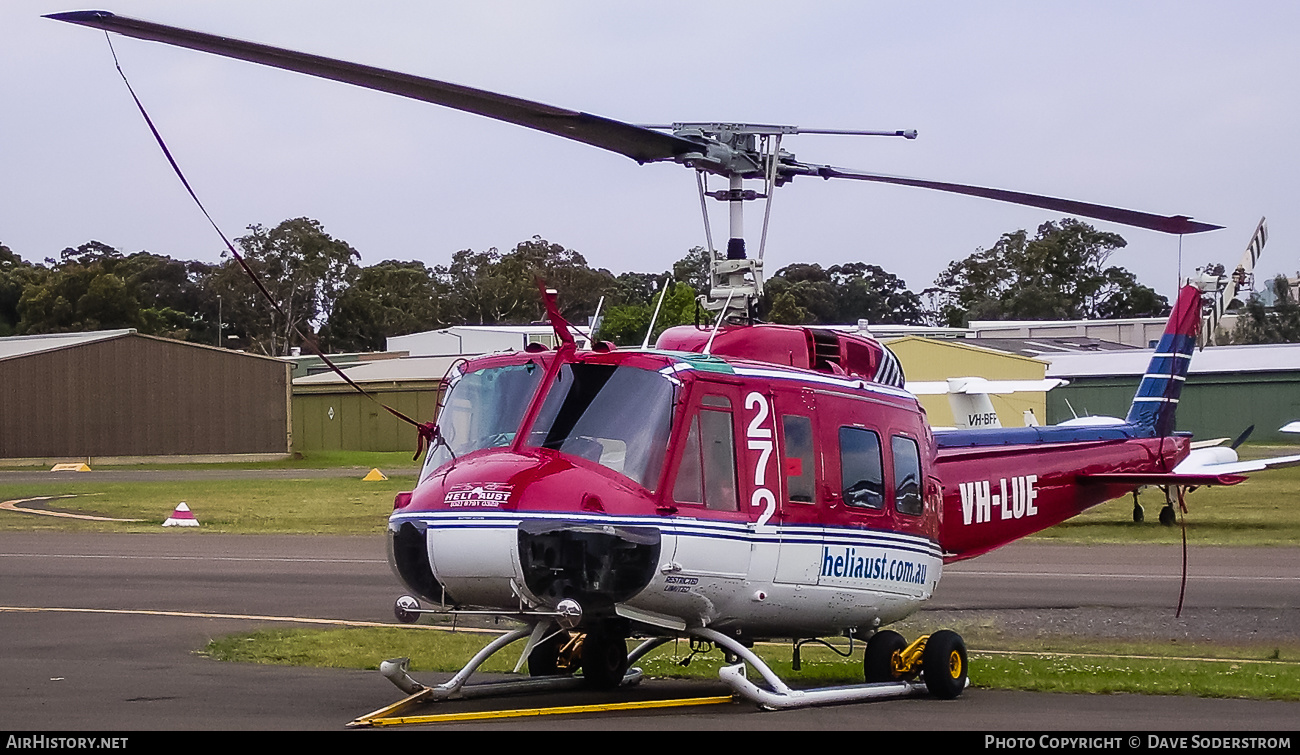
x,y
732,483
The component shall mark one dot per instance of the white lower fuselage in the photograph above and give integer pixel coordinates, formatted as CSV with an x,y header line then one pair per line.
x,y
790,581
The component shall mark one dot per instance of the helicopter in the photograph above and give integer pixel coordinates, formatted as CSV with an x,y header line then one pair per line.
x,y
732,483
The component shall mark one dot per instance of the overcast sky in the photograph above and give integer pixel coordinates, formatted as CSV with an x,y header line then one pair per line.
x,y
1168,107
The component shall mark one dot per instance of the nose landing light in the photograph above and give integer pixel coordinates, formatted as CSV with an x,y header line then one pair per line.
x,y
568,613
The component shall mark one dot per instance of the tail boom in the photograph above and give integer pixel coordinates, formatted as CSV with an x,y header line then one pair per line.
x,y
994,496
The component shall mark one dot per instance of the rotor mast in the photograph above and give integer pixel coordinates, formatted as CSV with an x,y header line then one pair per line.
x,y
742,151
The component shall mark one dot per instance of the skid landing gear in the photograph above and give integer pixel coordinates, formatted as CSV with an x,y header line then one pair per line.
x,y
939,659
604,671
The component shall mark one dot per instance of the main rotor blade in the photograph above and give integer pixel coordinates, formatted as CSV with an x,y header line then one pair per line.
x,y
1167,223
640,144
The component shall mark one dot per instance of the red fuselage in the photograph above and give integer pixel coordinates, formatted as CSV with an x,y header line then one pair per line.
x,y
676,489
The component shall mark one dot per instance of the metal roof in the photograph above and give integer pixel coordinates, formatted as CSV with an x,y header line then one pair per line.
x,y
387,370
1282,357
1044,347
20,346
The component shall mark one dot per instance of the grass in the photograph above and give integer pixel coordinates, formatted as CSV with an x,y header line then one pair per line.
x,y
1056,665
309,460
341,506
1263,510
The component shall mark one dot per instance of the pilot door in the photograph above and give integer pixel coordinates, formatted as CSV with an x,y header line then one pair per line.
x,y
711,522
799,505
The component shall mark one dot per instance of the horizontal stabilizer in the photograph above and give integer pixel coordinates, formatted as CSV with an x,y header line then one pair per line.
x,y
1160,478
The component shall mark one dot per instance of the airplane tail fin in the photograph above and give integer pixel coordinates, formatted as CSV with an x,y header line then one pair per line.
x,y
1157,394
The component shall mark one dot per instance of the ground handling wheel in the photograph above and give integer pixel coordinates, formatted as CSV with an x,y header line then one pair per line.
x,y
943,664
878,661
604,659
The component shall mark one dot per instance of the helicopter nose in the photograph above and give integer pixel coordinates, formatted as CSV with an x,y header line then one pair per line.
x,y
409,557
595,565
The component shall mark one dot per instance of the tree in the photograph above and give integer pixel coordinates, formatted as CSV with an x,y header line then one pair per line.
x,y
694,269
868,292
804,293
305,270
1258,323
626,324
174,300
15,277
1059,274
491,288
388,299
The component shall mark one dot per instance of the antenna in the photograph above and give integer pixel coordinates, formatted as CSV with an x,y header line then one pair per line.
x,y
721,314
595,322
653,318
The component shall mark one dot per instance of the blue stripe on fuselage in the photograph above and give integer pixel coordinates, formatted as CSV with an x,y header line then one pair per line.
x,y
1015,436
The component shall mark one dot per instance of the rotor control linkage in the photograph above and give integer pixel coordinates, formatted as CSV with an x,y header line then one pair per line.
x,y
735,195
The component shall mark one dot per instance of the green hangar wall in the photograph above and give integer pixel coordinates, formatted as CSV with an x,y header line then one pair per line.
x,y
330,415
1228,389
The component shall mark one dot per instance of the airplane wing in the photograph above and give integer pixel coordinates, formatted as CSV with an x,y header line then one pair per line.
x,y
973,386
1205,465
1196,463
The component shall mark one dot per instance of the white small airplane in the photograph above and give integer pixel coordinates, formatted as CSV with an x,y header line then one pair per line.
x,y
969,398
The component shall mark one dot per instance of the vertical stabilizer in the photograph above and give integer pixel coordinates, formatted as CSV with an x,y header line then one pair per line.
x,y
1157,394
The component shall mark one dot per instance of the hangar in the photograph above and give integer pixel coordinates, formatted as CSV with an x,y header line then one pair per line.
x,y
119,393
1228,388
329,414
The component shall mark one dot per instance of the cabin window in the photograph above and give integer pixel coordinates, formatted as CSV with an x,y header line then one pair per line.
x,y
587,414
483,410
707,473
907,476
861,470
798,463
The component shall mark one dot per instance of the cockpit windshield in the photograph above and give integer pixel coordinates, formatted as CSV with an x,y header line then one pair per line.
x,y
618,417
483,410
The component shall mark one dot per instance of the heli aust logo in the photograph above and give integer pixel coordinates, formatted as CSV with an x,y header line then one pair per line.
x,y
1014,499
845,563
488,494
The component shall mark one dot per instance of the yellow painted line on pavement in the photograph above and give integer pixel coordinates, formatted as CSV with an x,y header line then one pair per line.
x,y
241,617
555,711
